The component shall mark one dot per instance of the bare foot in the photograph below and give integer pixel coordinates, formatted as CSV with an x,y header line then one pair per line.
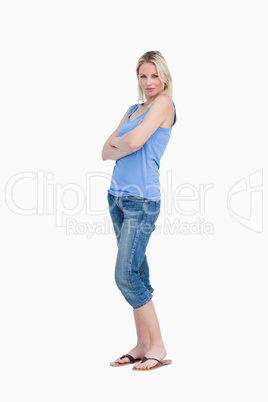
x,y
137,352
157,352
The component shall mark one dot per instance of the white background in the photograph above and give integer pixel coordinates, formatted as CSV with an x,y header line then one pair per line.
x,y
67,78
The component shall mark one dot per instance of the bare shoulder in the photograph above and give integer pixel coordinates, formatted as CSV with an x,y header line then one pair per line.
x,y
125,115
129,109
164,101
163,108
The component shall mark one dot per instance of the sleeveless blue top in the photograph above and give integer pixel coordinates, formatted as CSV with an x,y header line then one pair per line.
x,y
137,174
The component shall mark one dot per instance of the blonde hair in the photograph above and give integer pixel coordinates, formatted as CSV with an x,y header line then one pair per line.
x,y
161,66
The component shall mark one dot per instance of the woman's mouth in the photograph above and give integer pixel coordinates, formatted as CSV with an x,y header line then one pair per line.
x,y
149,89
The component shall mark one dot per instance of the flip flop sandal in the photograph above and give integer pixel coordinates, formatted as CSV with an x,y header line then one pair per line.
x,y
158,365
131,361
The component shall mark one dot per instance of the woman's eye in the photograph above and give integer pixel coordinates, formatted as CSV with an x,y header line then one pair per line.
x,y
155,76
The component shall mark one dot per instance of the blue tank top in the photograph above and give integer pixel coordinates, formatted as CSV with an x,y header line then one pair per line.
x,y
137,174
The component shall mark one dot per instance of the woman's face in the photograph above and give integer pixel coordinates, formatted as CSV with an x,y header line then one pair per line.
x,y
149,80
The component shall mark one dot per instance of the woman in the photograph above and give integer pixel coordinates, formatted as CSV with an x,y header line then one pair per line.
x,y
134,200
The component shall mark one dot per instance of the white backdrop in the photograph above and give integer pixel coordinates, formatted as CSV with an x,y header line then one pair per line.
x,y
67,78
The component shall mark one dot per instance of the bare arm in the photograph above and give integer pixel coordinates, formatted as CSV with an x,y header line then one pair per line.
x,y
111,152
159,112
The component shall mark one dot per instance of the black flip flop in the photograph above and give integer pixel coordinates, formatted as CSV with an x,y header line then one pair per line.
x,y
131,361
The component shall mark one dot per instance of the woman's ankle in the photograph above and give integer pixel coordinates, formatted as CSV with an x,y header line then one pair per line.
x,y
143,345
157,344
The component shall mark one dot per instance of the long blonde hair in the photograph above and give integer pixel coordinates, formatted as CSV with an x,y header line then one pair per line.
x,y
160,63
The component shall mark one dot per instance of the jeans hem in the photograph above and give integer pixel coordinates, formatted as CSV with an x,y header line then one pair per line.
x,y
145,302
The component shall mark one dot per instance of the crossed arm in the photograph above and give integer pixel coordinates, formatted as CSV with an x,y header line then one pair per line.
x,y
118,147
112,152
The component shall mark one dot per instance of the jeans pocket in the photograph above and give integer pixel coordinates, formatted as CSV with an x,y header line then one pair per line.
x,y
138,199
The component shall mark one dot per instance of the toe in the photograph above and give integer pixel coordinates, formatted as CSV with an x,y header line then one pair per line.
x,y
124,360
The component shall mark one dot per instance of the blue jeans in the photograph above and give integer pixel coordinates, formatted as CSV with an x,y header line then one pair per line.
x,y
133,221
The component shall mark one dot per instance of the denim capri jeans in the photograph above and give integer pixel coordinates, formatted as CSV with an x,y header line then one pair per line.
x,y
133,221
